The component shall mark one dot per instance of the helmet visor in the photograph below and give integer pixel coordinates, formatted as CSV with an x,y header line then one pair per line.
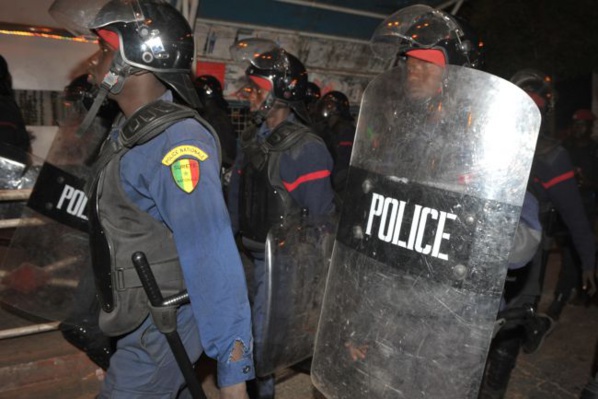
x,y
261,53
81,17
417,26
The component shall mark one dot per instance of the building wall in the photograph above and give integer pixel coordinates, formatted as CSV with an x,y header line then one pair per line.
x,y
42,67
332,63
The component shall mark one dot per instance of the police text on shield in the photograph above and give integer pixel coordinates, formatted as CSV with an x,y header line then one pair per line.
x,y
73,201
390,214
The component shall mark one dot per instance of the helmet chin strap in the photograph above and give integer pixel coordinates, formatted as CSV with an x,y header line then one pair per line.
x,y
264,111
113,82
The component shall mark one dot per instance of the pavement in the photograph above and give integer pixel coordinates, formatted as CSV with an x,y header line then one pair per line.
x,y
559,369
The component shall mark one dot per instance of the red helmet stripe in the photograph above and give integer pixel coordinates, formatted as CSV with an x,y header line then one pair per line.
x,y
429,55
262,83
109,37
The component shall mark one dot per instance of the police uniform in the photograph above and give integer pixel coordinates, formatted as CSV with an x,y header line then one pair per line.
x,y
554,178
342,136
286,180
163,196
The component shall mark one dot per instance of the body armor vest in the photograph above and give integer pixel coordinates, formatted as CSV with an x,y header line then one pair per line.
x,y
264,201
118,228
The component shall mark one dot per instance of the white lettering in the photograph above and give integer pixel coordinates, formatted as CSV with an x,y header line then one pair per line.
x,y
375,210
67,193
412,233
391,223
390,214
395,238
74,200
441,235
422,227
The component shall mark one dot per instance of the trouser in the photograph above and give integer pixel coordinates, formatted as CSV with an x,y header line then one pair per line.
x,y
590,391
533,275
144,367
570,273
501,361
261,387
81,327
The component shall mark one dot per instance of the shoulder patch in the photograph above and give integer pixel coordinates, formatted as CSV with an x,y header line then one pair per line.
x,y
185,171
188,150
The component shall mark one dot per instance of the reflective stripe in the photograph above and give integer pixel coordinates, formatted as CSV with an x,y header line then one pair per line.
x,y
13,125
345,144
558,179
305,178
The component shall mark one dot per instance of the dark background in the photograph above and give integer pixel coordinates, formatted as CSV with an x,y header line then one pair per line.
x,y
557,37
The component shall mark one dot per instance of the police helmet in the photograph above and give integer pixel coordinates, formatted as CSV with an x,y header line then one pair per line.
x,y
148,35
420,27
208,86
312,93
538,86
284,71
284,76
333,103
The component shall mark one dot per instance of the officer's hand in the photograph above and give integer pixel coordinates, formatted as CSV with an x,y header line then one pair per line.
x,y
589,283
238,391
356,352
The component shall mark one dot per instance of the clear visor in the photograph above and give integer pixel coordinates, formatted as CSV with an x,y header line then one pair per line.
x,y
248,89
80,17
261,53
258,97
70,111
417,26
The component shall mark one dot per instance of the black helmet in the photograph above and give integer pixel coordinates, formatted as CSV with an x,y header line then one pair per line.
x,y
149,34
286,77
208,86
209,91
312,93
422,27
539,87
284,71
334,103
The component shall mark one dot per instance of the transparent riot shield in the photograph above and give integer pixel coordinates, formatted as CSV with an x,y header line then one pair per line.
x,y
297,259
19,172
434,195
49,250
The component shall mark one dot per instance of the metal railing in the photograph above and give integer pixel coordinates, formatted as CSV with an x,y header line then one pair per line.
x,y
11,196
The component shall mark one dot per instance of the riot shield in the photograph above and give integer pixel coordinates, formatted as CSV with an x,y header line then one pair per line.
x,y
49,250
297,259
433,199
19,172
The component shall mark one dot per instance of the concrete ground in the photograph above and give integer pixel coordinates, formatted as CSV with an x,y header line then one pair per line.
x,y
560,369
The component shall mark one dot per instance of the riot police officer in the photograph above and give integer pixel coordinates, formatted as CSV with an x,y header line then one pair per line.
x,y
81,328
156,190
283,169
12,126
215,111
430,40
552,182
312,95
338,131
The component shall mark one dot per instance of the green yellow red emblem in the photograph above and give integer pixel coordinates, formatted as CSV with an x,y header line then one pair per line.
x,y
184,164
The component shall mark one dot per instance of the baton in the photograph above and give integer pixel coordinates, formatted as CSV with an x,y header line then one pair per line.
x,y
164,314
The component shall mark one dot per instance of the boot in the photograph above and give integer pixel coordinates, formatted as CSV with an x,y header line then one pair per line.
x,y
501,362
590,391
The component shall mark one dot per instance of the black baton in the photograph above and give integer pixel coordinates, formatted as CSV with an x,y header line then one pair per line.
x,y
164,315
